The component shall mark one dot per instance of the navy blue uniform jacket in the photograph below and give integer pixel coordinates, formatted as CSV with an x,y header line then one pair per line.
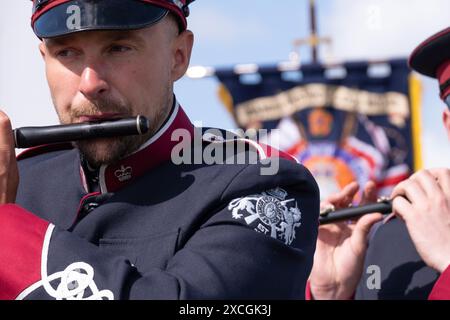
x,y
158,230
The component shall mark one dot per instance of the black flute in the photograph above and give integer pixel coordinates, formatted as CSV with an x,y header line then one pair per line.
x,y
330,216
27,137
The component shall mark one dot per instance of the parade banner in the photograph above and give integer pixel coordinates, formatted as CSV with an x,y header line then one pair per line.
x,y
355,122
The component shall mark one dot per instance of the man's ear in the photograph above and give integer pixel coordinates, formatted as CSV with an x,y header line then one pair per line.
x,y
182,49
42,49
446,119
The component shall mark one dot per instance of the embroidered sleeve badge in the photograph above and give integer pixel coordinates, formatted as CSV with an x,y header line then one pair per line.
x,y
270,213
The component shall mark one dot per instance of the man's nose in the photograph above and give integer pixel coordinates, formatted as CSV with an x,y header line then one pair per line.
x,y
92,84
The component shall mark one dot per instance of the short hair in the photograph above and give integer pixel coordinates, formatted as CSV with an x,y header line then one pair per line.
x,y
176,21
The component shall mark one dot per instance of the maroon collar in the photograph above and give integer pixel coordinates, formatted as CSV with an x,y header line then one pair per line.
x,y
153,153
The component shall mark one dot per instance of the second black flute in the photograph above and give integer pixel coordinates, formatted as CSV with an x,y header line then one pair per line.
x,y
27,137
383,206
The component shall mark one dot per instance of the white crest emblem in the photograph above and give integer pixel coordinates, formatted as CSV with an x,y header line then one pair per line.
x,y
124,173
274,215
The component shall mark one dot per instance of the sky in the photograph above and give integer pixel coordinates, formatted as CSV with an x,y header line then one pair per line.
x,y
252,31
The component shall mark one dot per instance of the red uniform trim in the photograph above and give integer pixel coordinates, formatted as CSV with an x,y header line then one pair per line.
x,y
155,153
441,289
21,238
308,294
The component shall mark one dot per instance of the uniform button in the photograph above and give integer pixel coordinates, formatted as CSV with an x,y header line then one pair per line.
x,y
86,209
89,207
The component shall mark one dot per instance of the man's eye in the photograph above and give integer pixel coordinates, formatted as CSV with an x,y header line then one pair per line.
x,y
118,48
66,53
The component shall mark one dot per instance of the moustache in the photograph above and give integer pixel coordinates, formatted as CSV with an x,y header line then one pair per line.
x,y
101,106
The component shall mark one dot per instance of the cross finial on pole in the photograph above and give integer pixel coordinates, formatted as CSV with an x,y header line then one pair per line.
x,y
313,40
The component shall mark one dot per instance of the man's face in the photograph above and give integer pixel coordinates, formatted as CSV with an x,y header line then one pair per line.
x,y
101,75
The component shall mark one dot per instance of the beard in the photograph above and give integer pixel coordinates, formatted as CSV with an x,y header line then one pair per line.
x,y
110,150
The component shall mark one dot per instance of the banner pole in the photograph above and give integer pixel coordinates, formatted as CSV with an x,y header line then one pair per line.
x,y
313,31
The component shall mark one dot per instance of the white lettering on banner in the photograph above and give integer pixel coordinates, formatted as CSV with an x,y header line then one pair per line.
x,y
393,104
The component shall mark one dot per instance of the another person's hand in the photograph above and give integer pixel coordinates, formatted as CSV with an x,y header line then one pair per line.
x,y
9,175
341,248
423,202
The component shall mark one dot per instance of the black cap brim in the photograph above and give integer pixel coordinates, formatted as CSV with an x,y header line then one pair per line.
x,y
76,16
431,53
